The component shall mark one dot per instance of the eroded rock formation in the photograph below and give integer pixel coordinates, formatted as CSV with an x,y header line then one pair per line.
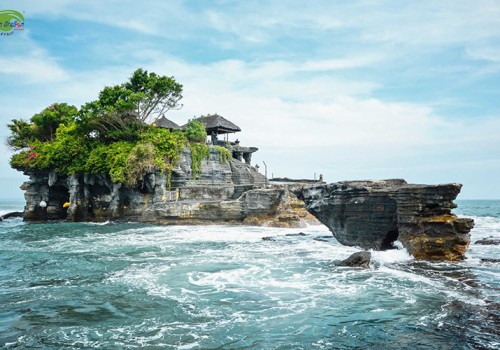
x,y
374,214
224,193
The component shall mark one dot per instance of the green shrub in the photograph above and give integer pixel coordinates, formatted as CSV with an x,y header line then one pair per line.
x,y
30,158
140,162
195,131
168,145
66,154
224,154
109,159
118,161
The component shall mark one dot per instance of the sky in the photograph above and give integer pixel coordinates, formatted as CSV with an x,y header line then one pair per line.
x,y
348,89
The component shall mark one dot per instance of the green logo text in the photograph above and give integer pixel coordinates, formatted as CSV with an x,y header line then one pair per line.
x,y
10,21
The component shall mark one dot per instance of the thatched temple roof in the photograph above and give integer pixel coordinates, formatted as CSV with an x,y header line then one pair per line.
x,y
218,124
166,123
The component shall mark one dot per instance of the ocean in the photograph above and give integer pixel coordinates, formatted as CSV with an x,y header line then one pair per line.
x,y
128,286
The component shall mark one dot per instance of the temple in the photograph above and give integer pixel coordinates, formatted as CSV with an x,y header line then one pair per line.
x,y
216,125
166,123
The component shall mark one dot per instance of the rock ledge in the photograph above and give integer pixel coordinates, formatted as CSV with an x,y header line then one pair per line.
x,y
374,214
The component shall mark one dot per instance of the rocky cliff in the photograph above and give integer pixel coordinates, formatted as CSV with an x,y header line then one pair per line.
x,y
374,214
224,192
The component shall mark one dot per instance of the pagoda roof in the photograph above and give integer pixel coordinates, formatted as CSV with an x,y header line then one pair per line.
x,y
217,123
165,123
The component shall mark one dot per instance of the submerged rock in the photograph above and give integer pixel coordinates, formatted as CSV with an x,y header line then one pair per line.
x,y
358,259
488,241
490,260
14,214
374,214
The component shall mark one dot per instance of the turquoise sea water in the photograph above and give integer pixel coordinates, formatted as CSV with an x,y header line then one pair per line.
x,y
129,286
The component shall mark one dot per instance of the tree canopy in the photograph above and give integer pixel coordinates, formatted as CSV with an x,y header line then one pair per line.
x,y
147,95
110,135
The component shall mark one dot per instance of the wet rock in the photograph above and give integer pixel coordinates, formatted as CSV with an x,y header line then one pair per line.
x,y
323,238
374,214
488,241
358,259
14,214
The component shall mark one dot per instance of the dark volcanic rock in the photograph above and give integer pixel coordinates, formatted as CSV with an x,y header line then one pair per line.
x,y
14,214
490,260
488,242
374,214
358,259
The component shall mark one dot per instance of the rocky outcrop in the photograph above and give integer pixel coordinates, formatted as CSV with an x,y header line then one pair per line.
x,y
358,259
374,214
13,214
229,192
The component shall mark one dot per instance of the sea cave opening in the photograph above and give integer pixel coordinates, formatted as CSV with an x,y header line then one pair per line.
x,y
58,197
390,238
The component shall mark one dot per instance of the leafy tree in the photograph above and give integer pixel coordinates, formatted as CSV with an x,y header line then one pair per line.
x,y
153,94
42,126
113,126
195,131
21,134
147,95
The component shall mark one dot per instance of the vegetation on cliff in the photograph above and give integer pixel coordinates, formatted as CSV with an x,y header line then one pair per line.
x,y
110,135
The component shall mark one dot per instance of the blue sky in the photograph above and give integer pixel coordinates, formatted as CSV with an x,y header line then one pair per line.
x,y
349,89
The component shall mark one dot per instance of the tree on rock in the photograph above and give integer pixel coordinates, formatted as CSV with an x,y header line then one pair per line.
x,y
110,135
153,95
145,95
41,127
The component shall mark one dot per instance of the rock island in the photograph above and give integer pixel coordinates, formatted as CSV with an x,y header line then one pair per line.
x,y
120,158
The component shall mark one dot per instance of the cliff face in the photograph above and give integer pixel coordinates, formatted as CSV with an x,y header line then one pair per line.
x,y
374,214
224,192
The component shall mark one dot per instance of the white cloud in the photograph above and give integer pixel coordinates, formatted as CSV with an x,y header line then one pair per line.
x,y
486,53
28,62
33,69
